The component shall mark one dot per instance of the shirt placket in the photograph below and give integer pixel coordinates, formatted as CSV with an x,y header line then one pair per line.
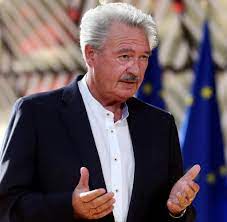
x,y
116,173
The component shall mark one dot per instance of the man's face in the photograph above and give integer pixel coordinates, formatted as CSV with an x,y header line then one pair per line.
x,y
117,70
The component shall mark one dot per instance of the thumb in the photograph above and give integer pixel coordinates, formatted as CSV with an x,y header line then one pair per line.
x,y
84,179
192,173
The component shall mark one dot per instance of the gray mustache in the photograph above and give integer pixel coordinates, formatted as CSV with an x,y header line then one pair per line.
x,y
130,78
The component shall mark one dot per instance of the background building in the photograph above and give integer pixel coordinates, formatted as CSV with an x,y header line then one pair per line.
x,y
39,47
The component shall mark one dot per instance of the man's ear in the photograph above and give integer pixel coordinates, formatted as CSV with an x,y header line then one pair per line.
x,y
89,55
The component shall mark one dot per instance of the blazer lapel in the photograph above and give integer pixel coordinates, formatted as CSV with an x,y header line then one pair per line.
x,y
76,121
137,138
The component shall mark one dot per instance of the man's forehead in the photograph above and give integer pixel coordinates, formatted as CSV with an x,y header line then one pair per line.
x,y
122,35
130,49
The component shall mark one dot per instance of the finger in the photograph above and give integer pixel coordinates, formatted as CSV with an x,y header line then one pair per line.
x,y
103,207
173,207
190,193
101,200
84,179
91,195
194,186
103,214
182,200
192,173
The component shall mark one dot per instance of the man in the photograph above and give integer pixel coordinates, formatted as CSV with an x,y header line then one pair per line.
x,y
90,151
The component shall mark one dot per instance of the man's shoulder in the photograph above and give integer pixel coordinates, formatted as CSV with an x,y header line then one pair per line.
x,y
52,96
48,97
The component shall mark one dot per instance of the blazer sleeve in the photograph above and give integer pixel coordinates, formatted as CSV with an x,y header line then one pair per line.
x,y
176,171
20,200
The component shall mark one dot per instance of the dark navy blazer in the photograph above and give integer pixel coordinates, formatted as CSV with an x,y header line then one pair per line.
x,y
49,139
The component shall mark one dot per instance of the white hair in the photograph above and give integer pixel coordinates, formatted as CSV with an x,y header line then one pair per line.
x,y
96,22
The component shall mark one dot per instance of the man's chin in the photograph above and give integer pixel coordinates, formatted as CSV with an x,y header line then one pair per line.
x,y
124,97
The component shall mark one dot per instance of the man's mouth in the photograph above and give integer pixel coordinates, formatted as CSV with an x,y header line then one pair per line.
x,y
130,79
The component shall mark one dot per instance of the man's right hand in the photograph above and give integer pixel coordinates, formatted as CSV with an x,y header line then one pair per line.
x,y
92,204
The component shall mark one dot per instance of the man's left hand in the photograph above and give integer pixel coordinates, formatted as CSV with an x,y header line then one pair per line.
x,y
183,192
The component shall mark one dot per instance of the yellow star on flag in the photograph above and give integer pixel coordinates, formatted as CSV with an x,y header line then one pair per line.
x,y
147,88
223,170
211,178
206,92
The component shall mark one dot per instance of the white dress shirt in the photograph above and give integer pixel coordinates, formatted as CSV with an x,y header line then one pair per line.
x,y
114,146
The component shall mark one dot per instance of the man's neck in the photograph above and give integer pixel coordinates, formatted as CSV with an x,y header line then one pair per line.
x,y
116,109
113,106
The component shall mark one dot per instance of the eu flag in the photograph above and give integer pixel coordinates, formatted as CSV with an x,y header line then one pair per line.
x,y
150,90
201,139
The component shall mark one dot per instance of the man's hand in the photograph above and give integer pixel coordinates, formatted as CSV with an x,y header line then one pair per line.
x,y
183,192
92,204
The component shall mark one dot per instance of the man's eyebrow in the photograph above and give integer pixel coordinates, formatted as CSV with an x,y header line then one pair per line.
x,y
124,50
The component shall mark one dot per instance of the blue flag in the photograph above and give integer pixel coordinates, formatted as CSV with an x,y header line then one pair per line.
x,y
150,90
201,139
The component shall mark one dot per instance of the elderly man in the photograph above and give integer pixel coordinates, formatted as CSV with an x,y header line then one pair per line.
x,y
90,151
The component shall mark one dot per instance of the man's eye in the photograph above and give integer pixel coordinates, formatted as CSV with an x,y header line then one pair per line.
x,y
124,57
144,58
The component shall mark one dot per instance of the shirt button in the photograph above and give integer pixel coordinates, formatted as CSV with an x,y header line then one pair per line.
x,y
111,131
115,158
108,114
116,190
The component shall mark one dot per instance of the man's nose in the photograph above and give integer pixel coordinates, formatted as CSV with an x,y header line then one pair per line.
x,y
134,67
